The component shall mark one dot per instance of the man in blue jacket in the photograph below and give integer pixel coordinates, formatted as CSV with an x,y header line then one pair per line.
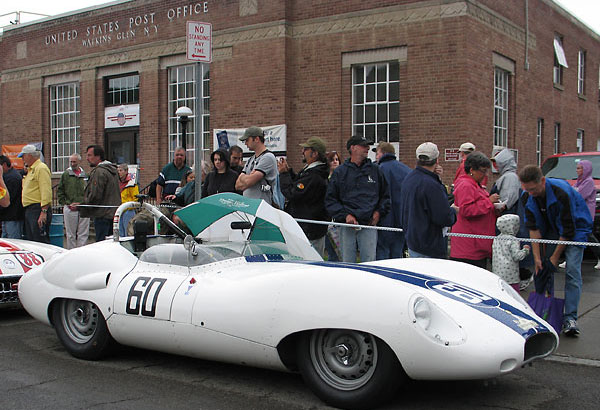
x,y
553,209
425,210
358,194
391,244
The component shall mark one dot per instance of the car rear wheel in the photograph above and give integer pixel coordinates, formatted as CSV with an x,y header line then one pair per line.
x,y
348,368
81,328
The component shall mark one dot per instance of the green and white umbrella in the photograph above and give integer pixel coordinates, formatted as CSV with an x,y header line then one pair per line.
x,y
211,217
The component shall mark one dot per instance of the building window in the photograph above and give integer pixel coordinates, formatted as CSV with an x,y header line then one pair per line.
x,y
122,90
579,140
501,107
182,93
538,141
560,60
64,124
581,73
556,137
376,101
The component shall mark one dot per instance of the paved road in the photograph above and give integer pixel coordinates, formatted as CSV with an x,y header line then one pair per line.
x,y
37,373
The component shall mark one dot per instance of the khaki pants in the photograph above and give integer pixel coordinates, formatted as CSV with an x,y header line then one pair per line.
x,y
76,228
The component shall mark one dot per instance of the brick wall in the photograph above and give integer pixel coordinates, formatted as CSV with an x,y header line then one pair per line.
x,y
278,73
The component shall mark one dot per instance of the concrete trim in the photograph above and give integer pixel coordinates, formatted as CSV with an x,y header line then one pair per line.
x,y
56,79
372,56
505,63
116,69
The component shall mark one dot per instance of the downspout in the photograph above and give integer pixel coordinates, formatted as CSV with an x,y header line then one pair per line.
x,y
526,35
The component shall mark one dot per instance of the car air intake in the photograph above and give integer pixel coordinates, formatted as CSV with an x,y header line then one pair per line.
x,y
539,345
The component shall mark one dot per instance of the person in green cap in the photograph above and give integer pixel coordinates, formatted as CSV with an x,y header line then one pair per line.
x,y
305,191
259,175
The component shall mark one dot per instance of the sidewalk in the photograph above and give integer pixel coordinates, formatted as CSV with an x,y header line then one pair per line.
x,y
587,345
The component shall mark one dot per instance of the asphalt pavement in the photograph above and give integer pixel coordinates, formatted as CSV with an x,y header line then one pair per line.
x,y
584,349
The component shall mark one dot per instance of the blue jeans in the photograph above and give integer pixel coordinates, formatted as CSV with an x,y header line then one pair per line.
x,y
103,228
124,221
415,254
12,229
366,239
573,282
329,248
390,245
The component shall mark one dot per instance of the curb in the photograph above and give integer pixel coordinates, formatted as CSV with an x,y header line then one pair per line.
x,y
573,360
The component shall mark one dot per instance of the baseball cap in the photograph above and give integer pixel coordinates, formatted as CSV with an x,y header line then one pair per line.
x,y
429,150
27,149
315,143
467,147
358,140
252,131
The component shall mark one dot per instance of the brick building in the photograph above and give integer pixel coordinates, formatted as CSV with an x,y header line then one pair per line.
x,y
517,73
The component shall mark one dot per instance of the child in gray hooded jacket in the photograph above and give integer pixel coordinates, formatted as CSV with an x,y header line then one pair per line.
x,y
506,253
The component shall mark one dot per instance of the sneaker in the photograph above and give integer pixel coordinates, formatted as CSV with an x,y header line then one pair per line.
x,y
524,284
597,265
570,328
562,265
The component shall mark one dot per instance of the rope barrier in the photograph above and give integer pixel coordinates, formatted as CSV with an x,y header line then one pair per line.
x,y
460,235
390,229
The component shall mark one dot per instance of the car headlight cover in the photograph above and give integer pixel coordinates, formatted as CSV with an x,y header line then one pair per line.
x,y
434,322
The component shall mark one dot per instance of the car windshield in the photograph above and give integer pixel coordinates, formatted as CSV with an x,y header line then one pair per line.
x,y
176,254
565,167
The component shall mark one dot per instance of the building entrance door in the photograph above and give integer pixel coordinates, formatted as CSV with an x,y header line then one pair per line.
x,y
122,146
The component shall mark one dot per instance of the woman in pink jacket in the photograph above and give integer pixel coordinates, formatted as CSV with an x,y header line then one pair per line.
x,y
476,215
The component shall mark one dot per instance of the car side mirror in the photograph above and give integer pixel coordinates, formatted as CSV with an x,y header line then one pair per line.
x,y
189,244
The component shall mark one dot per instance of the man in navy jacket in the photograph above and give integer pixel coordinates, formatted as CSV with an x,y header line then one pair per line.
x,y
553,209
391,244
358,194
425,210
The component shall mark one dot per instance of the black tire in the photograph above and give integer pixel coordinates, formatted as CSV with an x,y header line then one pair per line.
x,y
349,369
81,328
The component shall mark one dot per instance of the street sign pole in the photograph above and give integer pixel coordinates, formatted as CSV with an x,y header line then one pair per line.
x,y
199,49
199,132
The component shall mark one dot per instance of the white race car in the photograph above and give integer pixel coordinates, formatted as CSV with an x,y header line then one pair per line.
x,y
17,257
249,289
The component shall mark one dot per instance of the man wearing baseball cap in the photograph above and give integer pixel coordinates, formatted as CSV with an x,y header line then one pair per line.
x,y
358,194
463,152
36,196
259,175
305,191
425,211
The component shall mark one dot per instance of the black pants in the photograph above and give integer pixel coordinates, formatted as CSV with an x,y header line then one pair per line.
x,y
32,231
482,263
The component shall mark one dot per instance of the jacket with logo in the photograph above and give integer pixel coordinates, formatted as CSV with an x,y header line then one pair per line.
x,y
305,193
357,190
566,212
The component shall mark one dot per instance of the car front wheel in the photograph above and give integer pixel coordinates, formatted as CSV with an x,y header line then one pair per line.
x,y
81,328
348,368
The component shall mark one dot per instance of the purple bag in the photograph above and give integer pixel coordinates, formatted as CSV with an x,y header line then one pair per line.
x,y
548,308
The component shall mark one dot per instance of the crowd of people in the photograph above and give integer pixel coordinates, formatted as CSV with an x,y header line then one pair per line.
x,y
355,192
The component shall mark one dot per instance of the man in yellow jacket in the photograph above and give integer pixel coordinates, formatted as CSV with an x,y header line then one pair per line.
x,y
36,196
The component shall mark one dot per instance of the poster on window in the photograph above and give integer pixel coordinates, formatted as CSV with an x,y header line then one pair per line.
x,y
275,139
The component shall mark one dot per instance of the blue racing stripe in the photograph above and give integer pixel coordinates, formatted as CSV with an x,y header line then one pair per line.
x,y
510,316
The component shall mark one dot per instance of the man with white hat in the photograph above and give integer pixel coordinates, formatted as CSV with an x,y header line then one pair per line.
x,y
463,152
36,196
425,211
